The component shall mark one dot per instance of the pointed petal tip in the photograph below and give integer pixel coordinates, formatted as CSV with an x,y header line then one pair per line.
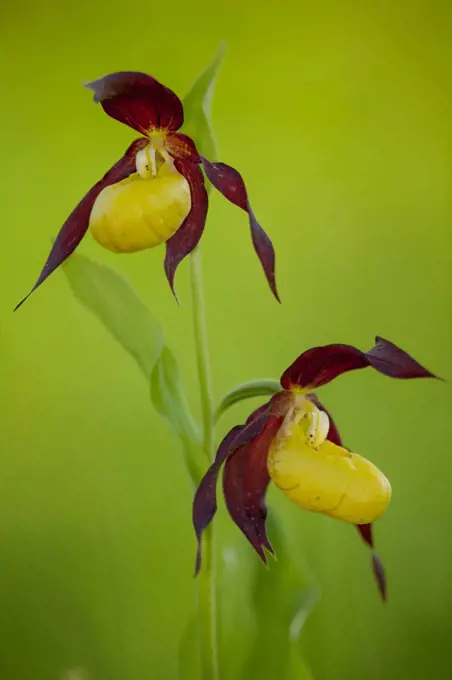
x,y
19,304
274,290
262,549
379,340
173,290
229,182
90,85
270,550
261,552
170,272
198,559
265,543
392,361
380,576
76,225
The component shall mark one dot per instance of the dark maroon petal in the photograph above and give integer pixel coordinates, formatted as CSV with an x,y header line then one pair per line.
x,y
138,100
74,229
182,146
380,575
392,361
320,365
366,534
205,500
245,482
230,183
187,236
333,433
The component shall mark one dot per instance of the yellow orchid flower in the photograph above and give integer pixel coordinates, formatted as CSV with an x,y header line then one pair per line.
x,y
293,442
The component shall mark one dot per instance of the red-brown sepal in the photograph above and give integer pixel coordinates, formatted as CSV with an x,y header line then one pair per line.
x,y
377,565
138,100
74,229
245,482
229,182
394,362
205,500
187,236
320,365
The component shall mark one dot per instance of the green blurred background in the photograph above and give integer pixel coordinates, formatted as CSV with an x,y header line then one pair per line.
x,y
338,115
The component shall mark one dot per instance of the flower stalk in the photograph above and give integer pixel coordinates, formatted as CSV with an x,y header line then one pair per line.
x,y
202,353
206,581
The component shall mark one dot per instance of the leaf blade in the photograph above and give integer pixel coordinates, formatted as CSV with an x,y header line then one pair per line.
x,y
197,108
264,387
283,598
112,300
168,397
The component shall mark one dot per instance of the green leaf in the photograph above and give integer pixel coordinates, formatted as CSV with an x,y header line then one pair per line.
x,y
168,396
236,566
188,652
249,390
197,109
263,611
283,597
114,302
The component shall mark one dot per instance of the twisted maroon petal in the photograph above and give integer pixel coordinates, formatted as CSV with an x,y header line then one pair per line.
x,y
379,572
187,236
245,482
205,500
230,183
138,100
74,229
394,362
320,365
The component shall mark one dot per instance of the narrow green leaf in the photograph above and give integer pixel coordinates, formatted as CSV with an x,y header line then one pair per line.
x,y
168,396
188,652
235,579
283,597
263,611
197,109
249,390
114,302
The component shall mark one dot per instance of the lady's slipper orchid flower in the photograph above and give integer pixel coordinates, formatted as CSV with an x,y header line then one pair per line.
x,y
155,193
293,441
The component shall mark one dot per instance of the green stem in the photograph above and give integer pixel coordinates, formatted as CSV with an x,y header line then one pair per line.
x,y
206,580
202,351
